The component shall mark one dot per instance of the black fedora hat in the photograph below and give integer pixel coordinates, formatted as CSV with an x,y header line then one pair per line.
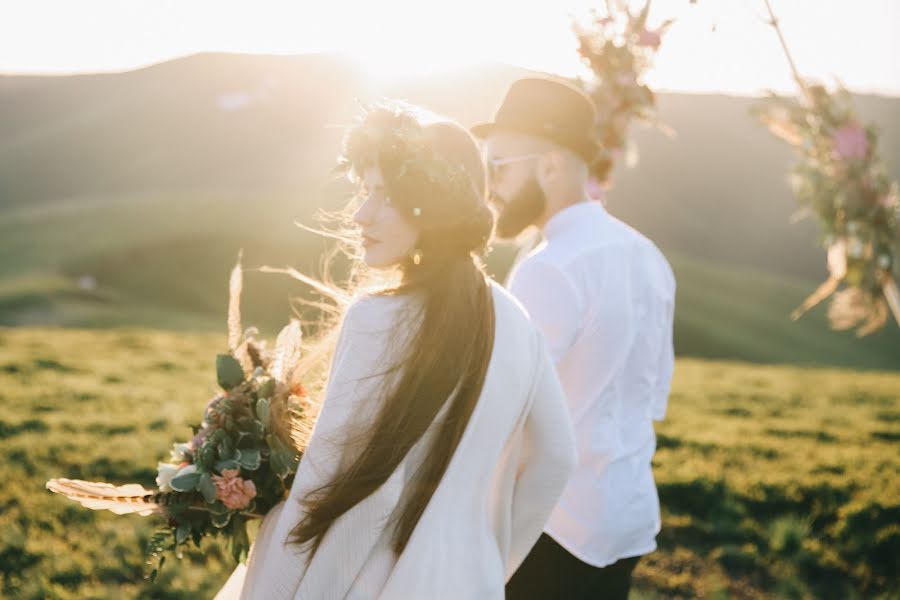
x,y
550,109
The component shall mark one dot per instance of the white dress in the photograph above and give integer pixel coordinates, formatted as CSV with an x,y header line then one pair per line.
x,y
486,513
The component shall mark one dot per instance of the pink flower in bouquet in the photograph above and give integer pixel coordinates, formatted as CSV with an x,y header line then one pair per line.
x,y
234,492
850,141
649,39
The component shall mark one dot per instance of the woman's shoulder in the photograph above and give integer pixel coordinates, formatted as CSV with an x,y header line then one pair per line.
x,y
507,304
372,313
513,323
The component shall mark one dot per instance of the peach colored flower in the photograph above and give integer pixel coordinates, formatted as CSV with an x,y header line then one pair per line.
x,y
850,141
234,492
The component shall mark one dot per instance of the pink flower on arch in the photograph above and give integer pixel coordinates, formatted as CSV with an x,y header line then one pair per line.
x,y
649,38
626,78
595,191
234,492
850,141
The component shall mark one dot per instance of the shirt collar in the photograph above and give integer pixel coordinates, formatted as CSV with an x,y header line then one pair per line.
x,y
571,216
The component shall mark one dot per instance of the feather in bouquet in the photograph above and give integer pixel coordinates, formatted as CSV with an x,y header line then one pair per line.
x,y
243,455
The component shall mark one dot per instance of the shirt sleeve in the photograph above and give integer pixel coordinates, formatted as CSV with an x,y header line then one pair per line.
x,y
547,461
550,300
666,366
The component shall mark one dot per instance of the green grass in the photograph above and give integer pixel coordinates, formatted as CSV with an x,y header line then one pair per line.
x,y
775,481
778,481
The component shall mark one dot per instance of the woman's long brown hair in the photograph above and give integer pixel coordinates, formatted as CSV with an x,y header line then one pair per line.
x,y
434,174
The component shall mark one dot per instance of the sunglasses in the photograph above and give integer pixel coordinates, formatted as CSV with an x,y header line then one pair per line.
x,y
494,165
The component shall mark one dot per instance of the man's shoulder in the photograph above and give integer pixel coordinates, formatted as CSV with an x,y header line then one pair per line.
x,y
546,264
645,247
610,252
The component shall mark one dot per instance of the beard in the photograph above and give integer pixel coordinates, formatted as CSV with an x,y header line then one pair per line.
x,y
523,209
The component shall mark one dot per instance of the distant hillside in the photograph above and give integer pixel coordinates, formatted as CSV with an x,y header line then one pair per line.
x,y
125,197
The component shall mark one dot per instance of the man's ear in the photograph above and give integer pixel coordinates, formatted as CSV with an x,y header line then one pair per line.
x,y
551,166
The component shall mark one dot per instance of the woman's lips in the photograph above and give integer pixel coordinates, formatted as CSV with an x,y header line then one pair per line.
x,y
368,241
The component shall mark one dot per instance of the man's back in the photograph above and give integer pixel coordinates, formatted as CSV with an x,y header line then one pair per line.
x,y
603,295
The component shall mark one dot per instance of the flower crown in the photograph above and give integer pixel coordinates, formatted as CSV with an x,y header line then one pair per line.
x,y
390,136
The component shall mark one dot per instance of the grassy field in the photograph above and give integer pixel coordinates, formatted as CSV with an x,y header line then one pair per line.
x,y
775,481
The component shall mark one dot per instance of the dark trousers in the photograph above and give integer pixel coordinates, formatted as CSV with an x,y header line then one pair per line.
x,y
549,572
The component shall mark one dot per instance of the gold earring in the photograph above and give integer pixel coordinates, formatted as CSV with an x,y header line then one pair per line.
x,y
417,256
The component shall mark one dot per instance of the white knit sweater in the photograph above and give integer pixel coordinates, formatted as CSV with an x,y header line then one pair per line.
x,y
487,512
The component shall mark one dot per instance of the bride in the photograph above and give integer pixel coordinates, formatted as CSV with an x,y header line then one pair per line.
x,y
443,441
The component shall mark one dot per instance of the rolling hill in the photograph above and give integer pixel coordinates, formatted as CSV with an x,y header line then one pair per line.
x,y
124,199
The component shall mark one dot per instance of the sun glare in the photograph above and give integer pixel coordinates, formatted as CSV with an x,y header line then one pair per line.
x,y
397,62
720,45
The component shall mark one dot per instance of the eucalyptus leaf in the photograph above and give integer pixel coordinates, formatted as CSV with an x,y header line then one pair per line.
x,y
228,371
207,488
283,462
182,532
240,541
279,465
275,442
250,459
220,520
226,464
226,450
266,388
186,482
262,411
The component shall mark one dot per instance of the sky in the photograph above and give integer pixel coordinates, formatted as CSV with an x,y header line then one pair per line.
x,y
714,45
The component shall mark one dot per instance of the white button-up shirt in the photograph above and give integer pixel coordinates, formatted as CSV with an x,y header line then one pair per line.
x,y
604,297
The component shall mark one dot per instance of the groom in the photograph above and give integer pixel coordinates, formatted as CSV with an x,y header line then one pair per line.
x,y
603,295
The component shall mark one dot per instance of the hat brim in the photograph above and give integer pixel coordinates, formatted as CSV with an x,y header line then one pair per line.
x,y
585,148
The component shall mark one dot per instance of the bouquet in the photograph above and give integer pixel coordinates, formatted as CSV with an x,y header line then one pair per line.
x,y
243,455
841,180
